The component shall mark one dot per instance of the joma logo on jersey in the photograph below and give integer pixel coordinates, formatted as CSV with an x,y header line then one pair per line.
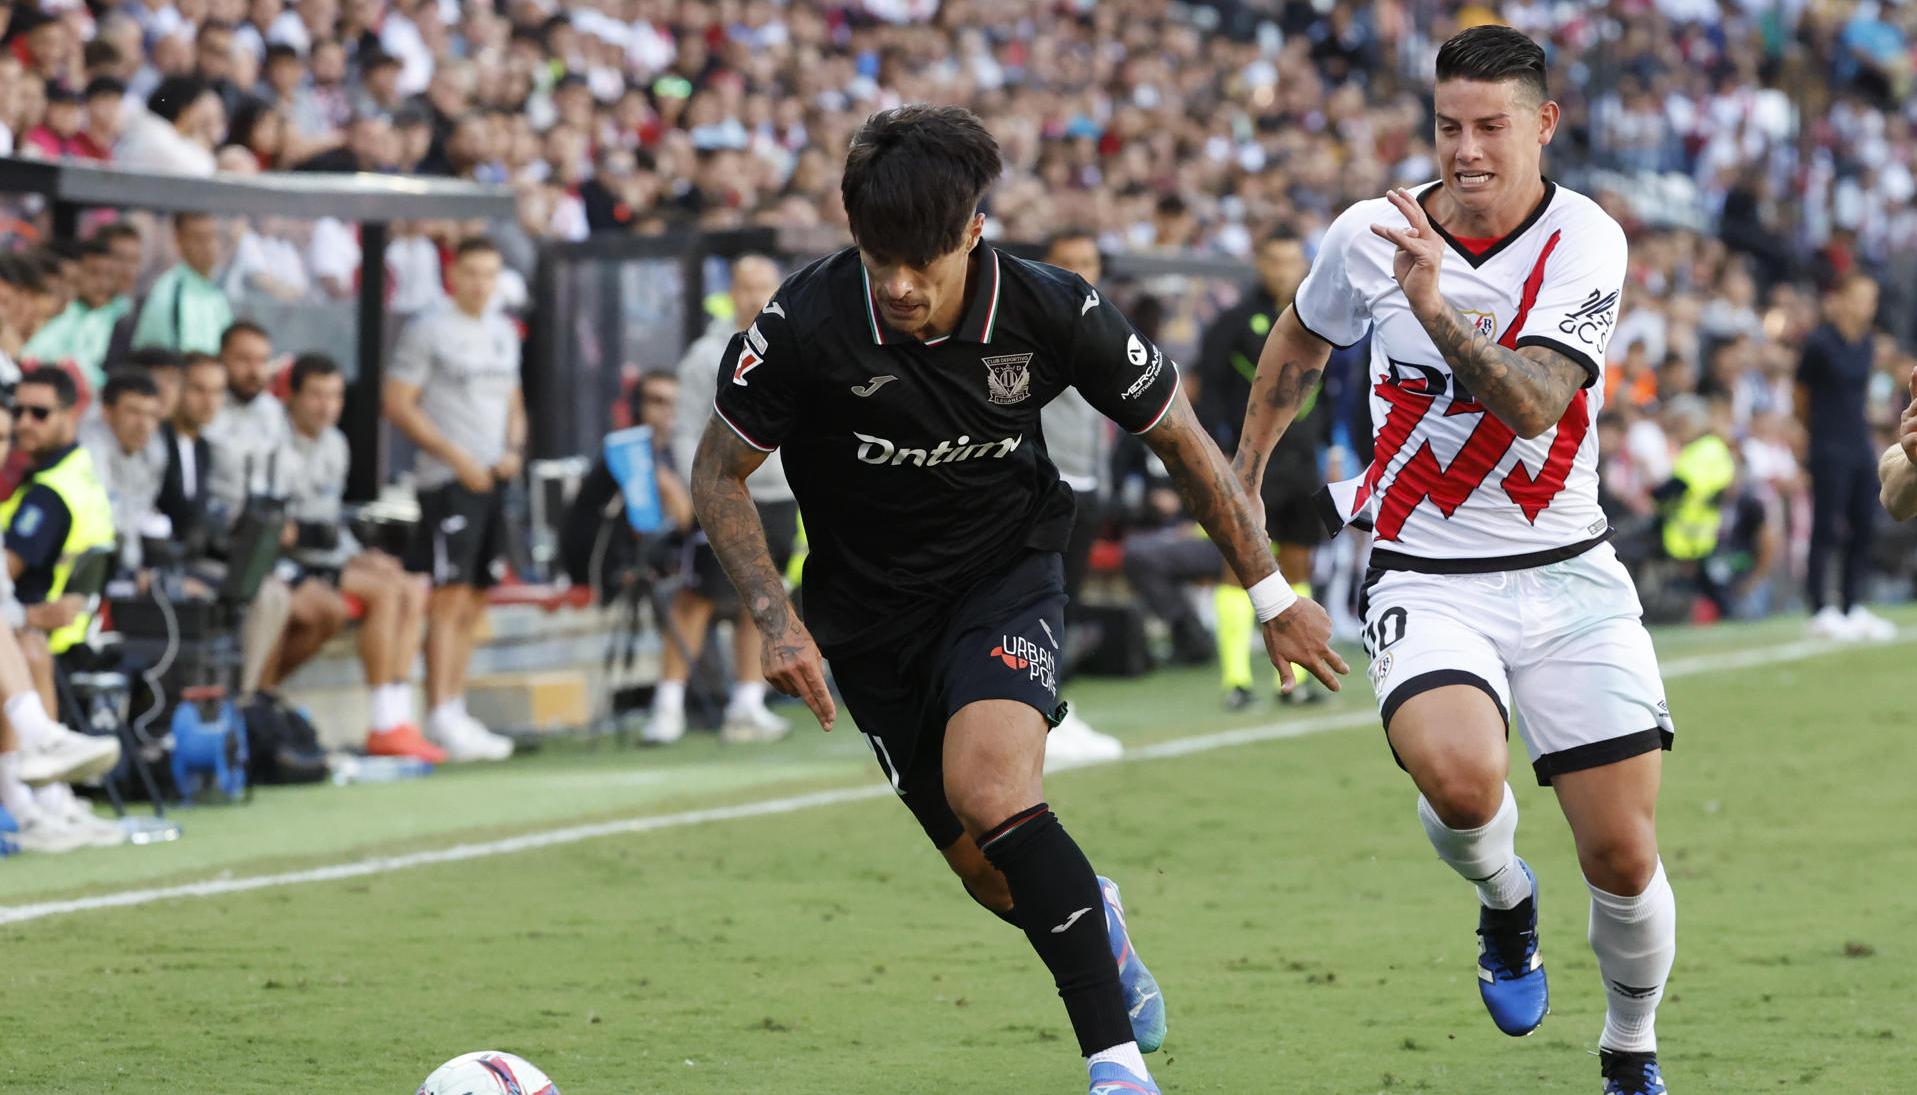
x,y
1592,321
878,450
1008,378
1485,323
1020,653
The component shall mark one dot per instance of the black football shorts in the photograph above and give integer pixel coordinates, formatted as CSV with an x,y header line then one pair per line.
x,y
1001,642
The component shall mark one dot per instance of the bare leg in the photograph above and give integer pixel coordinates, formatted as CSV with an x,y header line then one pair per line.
x,y
379,627
318,613
446,617
260,632
691,615
746,648
468,637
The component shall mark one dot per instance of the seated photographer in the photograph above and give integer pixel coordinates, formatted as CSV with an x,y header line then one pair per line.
x,y
311,468
131,462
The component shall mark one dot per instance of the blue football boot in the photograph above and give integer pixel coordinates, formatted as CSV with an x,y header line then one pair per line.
x,y
1510,969
1630,1073
1109,1078
1142,999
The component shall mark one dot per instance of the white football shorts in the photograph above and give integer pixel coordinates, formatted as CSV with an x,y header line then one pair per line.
x,y
1561,647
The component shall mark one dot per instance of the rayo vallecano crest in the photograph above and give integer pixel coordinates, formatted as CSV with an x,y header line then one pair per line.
x,y
1485,323
1008,378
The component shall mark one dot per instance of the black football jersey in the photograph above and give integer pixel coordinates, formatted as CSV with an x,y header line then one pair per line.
x,y
919,466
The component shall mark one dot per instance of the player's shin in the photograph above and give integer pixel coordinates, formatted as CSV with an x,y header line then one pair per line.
x,y
1635,939
1486,856
1059,906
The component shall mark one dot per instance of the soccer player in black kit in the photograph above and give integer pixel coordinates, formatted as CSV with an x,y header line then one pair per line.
x,y
902,379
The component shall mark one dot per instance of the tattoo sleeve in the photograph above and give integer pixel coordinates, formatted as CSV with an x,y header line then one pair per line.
x,y
1211,492
731,524
1528,389
1289,367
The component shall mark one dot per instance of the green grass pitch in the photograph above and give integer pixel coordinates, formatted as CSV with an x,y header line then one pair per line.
x,y
1307,940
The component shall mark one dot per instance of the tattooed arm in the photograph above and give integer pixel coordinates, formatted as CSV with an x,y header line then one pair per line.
x,y
1300,634
792,661
1528,389
1289,367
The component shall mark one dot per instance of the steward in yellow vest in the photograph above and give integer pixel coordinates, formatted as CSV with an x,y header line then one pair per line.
x,y
61,509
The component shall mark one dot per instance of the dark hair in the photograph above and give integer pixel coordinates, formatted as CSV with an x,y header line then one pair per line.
x,y
1067,235
1283,233
100,53
154,357
1494,54
242,327
279,51
913,179
118,230
377,58
101,86
174,95
180,220
308,366
65,392
22,273
127,382
98,247
195,358
63,250
475,245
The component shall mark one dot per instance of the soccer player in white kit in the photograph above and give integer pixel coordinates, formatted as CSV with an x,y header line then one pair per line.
x,y
1491,294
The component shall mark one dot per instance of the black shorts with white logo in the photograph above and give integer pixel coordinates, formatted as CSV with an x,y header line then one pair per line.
x,y
461,536
1001,643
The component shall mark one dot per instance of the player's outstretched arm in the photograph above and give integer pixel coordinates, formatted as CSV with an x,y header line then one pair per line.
x,y
1289,367
1897,468
792,661
1302,632
1529,388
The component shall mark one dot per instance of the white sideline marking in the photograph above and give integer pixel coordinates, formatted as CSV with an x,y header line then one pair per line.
x,y
1202,743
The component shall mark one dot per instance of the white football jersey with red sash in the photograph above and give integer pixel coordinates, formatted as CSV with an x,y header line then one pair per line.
x,y
1450,481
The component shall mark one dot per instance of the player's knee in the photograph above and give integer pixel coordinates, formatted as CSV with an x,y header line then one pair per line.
x,y
1621,865
1466,796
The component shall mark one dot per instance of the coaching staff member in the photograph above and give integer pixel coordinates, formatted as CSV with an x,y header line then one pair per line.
x,y
902,379
454,389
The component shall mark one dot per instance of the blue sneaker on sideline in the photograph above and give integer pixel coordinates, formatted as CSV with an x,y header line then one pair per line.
x,y
1142,998
1630,1073
1510,969
1115,1079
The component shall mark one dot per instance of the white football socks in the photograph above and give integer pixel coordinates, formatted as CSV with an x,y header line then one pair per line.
x,y
1636,940
29,719
1485,856
15,796
669,696
1125,1054
392,706
747,696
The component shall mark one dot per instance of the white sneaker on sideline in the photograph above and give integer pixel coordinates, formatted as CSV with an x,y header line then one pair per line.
x,y
1829,623
1865,624
43,832
1073,742
68,757
59,800
664,726
465,738
750,723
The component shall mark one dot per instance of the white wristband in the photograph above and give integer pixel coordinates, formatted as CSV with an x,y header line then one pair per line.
x,y
1271,595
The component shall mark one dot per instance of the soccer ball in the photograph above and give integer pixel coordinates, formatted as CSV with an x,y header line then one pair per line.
x,y
488,1072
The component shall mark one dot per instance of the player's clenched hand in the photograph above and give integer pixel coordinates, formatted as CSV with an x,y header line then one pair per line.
x,y
1419,255
794,666
1302,634
1907,428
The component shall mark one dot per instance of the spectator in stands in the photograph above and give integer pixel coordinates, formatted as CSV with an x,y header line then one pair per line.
x,y
189,455
185,310
167,371
104,117
321,106
129,251
214,65
453,388
129,458
754,279
83,332
1078,439
60,512
1833,377
314,459
177,132
57,136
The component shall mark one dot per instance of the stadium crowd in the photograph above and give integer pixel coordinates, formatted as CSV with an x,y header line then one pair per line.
x,y
1759,153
